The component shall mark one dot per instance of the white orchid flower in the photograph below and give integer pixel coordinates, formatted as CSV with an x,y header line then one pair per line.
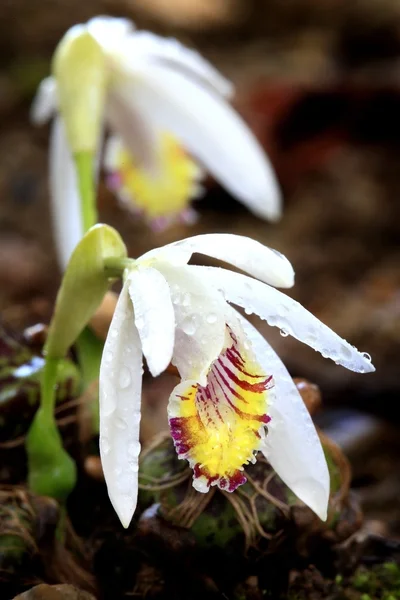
x,y
235,397
161,101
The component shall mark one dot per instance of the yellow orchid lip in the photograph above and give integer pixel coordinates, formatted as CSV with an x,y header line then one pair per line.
x,y
218,427
161,196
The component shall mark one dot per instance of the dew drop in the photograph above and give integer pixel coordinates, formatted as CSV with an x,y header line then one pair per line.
x,y
367,356
248,311
121,423
211,318
134,449
105,445
186,299
124,378
284,333
108,356
189,325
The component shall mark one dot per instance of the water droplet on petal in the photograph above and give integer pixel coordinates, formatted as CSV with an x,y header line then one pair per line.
x,y
189,325
284,333
121,423
367,356
136,417
134,449
105,445
186,299
124,378
108,356
211,318
248,310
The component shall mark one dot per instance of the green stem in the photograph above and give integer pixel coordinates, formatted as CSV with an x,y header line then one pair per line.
x,y
48,386
86,183
115,267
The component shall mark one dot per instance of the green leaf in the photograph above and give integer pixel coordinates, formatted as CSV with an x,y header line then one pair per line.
x,y
83,287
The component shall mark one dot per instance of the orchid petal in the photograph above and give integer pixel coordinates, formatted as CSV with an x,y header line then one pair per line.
x,y
169,53
292,445
45,101
154,317
120,396
210,129
110,32
242,252
65,203
287,314
200,322
137,135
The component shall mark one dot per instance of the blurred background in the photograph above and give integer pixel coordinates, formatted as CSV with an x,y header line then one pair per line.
x,y
319,83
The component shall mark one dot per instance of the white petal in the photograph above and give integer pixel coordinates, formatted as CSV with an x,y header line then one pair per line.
x,y
292,445
285,313
45,102
211,130
200,322
110,32
137,135
120,396
154,317
242,252
64,198
169,53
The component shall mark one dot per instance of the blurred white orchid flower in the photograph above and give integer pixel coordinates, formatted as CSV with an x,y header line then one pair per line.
x,y
235,397
160,100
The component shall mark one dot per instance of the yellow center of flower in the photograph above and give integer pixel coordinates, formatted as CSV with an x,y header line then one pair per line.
x,y
166,192
217,427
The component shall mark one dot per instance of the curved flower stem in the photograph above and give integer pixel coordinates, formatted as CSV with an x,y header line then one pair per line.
x,y
84,162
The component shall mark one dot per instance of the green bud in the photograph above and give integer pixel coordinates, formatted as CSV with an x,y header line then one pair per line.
x,y
83,287
79,66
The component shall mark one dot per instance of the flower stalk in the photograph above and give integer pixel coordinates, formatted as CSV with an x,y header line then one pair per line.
x,y
87,188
